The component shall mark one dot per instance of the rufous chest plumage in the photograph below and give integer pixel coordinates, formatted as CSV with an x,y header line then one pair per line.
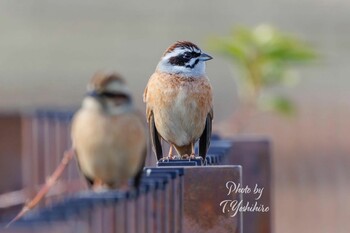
x,y
180,105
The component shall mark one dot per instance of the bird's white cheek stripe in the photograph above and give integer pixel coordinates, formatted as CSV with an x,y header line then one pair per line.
x,y
197,71
192,61
197,50
173,53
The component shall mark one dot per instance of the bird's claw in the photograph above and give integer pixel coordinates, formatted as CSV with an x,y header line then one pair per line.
x,y
176,157
170,157
190,157
165,159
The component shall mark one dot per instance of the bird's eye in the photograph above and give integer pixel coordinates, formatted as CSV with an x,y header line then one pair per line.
x,y
187,56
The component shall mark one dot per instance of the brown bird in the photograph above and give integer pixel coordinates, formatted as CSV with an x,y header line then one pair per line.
x,y
178,100
108,134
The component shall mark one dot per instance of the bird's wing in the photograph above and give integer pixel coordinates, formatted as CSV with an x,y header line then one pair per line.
x,y
155,137
145,94
89,181
148,108
204,140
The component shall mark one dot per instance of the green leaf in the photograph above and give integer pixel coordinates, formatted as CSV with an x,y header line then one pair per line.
x,y
265,57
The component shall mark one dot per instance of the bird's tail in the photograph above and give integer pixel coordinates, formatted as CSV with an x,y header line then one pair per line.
x,y
184,150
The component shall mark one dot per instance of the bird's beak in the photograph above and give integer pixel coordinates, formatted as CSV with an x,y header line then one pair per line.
x,y
205,57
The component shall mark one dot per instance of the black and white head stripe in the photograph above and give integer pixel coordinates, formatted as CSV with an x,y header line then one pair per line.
x,y
184,58
184,45
108,86
183,53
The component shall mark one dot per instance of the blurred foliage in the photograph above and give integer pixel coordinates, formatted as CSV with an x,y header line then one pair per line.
x,y
264,57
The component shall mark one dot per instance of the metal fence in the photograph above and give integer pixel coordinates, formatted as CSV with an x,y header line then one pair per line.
x,y
174,196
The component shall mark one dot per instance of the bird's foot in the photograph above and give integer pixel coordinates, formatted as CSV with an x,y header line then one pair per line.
x,y
170,157
197,157
176,157
100,188
165,159
191,156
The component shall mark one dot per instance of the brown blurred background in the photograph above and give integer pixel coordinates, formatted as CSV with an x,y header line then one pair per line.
x,y
50,49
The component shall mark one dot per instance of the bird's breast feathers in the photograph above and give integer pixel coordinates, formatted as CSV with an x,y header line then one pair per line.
x,y
180,105
107,141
